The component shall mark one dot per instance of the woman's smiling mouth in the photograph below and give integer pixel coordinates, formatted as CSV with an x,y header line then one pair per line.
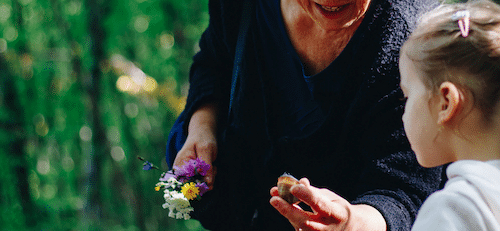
x,y
331,8
331,12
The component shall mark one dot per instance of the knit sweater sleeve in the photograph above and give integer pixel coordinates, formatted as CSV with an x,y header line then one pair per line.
x,y
210,72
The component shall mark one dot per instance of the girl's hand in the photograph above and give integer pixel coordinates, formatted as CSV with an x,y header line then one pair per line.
x,y
330,211
201,140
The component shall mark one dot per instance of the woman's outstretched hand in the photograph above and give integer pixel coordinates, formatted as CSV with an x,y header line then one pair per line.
x,y
201,141
330,211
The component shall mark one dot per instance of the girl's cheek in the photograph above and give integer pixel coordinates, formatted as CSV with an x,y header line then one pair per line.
x,y
404,124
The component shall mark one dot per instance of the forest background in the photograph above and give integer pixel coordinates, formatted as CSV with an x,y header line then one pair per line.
x,y
86,86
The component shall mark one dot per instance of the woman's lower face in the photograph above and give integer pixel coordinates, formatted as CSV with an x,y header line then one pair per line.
x,y
335,14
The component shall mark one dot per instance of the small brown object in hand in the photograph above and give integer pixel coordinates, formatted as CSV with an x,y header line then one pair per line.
x,y
285,182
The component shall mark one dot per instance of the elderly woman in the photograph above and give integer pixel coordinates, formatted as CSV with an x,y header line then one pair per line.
x,y
317,96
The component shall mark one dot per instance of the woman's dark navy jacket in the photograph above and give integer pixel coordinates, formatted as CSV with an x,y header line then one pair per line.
x,y
340,128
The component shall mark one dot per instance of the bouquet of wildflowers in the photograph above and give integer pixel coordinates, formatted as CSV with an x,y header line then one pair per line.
x,y
182,185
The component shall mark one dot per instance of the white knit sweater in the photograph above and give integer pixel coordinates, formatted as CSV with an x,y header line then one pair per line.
x,y
470,199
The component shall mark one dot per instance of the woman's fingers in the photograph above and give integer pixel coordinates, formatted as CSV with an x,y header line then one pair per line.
x,y
324,202
185,154
299,218
330,211
207,151
292,212
305,182
274,191
199,145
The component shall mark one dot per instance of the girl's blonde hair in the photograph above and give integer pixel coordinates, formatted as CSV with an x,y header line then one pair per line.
x,y
438,47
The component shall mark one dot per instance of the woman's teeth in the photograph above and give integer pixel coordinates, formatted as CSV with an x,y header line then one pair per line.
x,y
331,8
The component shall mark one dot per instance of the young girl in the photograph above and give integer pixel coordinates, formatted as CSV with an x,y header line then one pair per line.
x,y
450,76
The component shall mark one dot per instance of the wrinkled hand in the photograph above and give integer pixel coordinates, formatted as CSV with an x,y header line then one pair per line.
x,y
201,141
330,211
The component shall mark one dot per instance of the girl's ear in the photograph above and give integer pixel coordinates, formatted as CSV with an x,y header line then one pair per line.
x,y
450,102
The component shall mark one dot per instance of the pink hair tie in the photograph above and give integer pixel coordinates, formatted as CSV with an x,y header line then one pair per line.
x,y
463,18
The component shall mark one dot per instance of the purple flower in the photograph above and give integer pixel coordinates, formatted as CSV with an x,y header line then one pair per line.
x,y
201,167
167,176
191,168
202,187
147,166
186,170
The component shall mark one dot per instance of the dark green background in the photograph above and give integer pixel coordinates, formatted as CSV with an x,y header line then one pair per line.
x,y
72,118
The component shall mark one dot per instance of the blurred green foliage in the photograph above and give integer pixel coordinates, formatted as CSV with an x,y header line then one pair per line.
x,y
85,87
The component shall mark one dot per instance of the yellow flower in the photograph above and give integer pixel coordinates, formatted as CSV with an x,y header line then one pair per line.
x,y
190,190
157,188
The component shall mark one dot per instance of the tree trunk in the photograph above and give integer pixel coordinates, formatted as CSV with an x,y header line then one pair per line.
x,y
93,210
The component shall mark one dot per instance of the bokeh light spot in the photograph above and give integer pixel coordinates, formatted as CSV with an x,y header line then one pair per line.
x,y
150,84
86,133
196,47
34,182
131,110
138,76
10,33
167,41
124,83
42,129
74,8
68,164
141,24
3,45
26,62
49,191
43,166
117,153
5,12
38,118
29,14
